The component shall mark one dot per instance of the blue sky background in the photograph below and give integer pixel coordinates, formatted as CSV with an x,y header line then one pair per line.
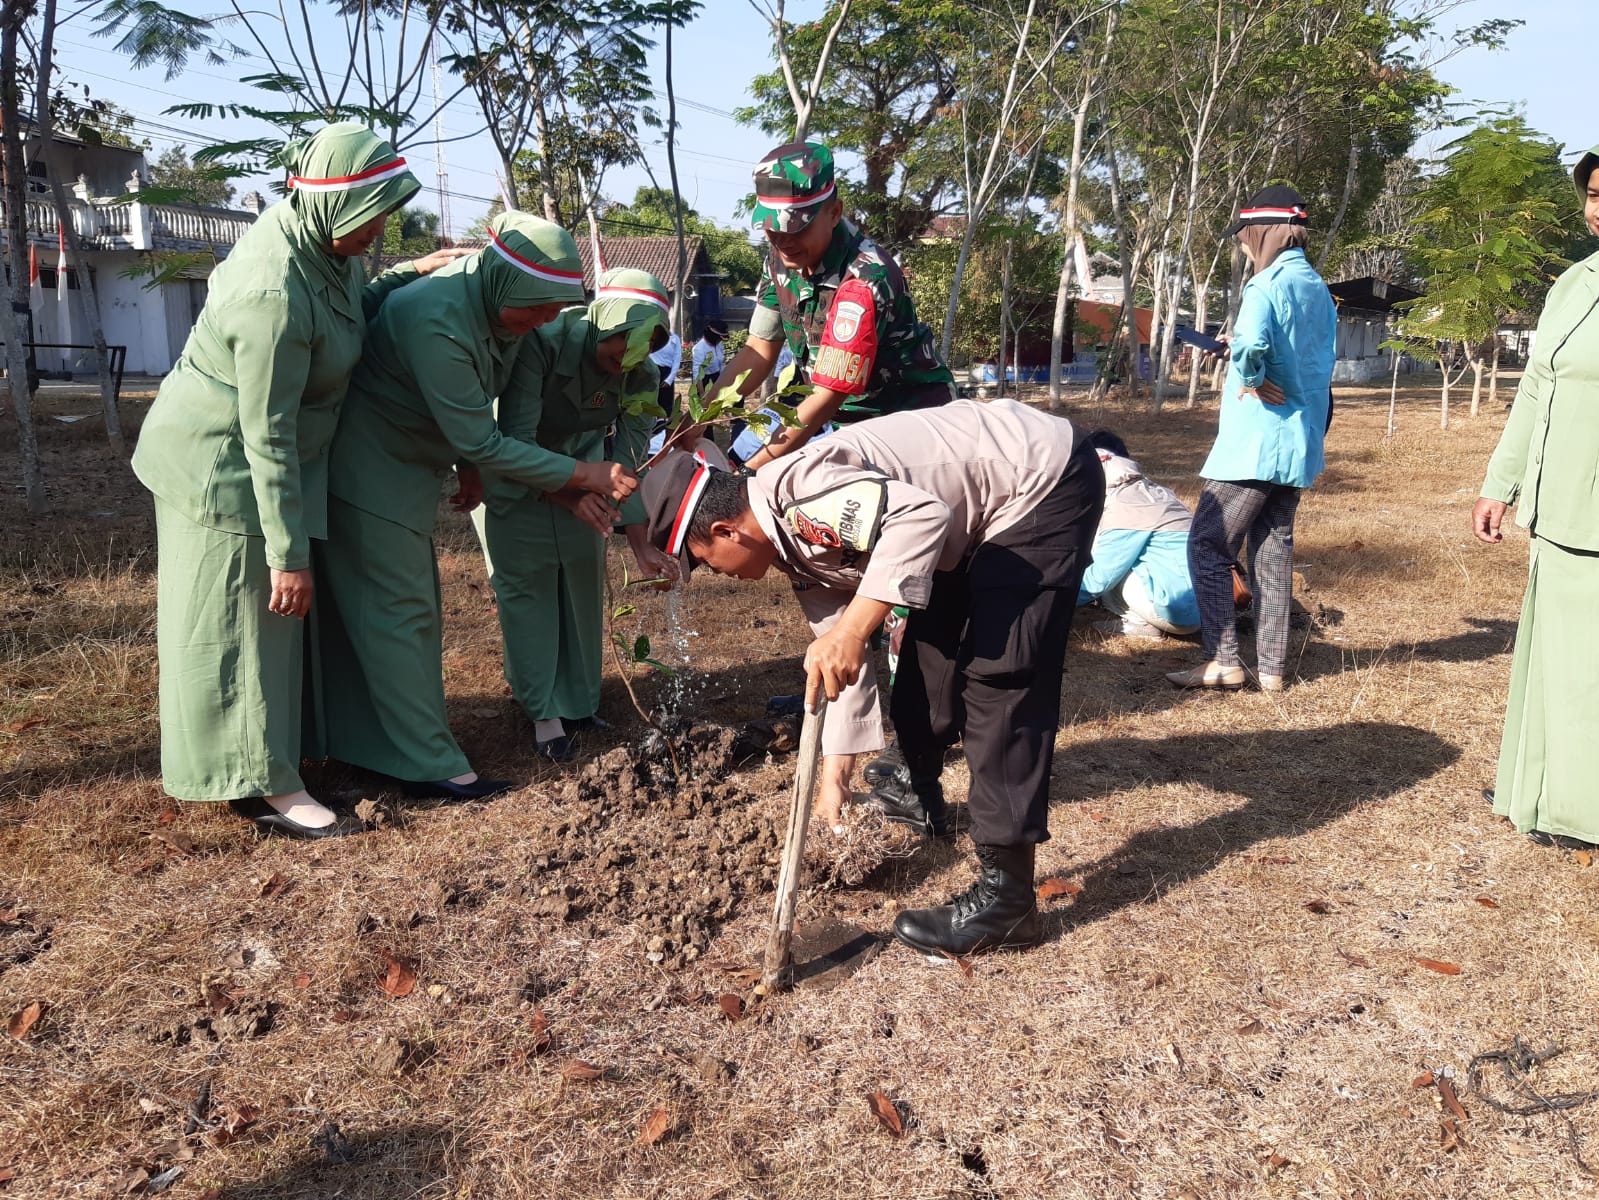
x,y
1547,68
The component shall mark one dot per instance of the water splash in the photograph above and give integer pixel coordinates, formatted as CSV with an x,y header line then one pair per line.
x,y
685,686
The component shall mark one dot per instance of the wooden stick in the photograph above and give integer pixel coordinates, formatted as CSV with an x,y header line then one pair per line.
x,y
777,970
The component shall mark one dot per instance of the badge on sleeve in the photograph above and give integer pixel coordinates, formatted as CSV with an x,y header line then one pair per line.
x,y
849,342
846,519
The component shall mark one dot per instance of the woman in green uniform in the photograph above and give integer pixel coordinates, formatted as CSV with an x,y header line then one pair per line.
x,y
421,406
545,542
1544,464
235,451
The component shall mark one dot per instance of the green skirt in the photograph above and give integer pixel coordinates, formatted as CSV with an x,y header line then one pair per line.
x,y
381,644
231,670
548,572
1549,758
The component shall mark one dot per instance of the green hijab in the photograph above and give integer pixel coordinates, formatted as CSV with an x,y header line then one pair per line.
x,y
529,261
633,302
342,176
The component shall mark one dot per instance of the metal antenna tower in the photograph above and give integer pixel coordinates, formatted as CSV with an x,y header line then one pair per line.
x,y
441,175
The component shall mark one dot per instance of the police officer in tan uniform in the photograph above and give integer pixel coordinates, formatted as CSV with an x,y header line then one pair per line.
x,y
977,517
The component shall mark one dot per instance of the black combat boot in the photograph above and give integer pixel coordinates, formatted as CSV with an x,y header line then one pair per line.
x,y
908,795
998,912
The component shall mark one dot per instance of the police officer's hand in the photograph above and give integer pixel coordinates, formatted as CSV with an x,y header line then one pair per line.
x,y
656,564
291,593
468,489
1486,519
608,479
429,263
833,662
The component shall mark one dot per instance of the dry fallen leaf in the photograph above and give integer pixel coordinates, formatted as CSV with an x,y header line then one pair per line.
x,y
276,886
1277,1161
1175,1055
7,1174
1096,816
732,1006
168,815
1584,858
1319,906
133,1180
1053,888
540,1021
401,978
369,812
579,1071
26,723
1443,968
1452,1105
1425,1079
655,1127
302,981
1251,1026
1353,959
1449,1139
1487,902
964,964
177,839
885,1112
20,1023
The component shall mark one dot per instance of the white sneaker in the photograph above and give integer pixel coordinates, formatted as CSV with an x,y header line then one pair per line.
x,y
1210,675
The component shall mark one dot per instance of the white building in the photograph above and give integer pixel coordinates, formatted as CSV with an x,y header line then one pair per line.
x,y
152,323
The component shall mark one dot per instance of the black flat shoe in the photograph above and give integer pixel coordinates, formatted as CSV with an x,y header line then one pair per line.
x,y
579,724
1488,795
269,820
443,789
1539,838
559,749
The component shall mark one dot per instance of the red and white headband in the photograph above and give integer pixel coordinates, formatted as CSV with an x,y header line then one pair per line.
x,y
697,484
1296,213
795,201
344,183
627,293
537,270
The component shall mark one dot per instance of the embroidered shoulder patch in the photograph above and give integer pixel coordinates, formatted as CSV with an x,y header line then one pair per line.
x,y
848,518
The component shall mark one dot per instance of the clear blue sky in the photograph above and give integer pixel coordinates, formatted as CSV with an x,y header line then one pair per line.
x,y
1546,68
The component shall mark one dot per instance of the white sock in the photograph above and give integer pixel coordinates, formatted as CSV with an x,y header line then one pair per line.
x,y
548,730
469,777
303,809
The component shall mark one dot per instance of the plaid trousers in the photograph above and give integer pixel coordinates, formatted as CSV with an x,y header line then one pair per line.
x,y
1229,512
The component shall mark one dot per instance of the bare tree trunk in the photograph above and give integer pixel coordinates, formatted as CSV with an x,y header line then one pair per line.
x,y
58,193
1004,316
677,195
1443,414
1476,383
1058,332
1343,202
1393,396
16,330
804,101
1493,376
541,122
1124,253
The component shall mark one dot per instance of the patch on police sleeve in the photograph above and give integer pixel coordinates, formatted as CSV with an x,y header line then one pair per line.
x,y
848,518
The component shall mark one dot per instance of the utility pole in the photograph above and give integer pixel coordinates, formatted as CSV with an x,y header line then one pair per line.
x,y
441,173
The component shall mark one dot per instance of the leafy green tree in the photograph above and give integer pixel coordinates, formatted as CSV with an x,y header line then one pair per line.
x,y
650,215
892,77
411,232
175,170
1489,242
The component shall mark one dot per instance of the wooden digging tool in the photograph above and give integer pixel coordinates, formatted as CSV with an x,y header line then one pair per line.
x,y
777,971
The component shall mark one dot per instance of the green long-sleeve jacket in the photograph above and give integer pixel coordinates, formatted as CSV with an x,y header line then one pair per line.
x,y
422,399
1547,460
559,401
238,436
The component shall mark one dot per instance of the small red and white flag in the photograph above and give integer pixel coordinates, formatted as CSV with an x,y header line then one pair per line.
x,y
64,304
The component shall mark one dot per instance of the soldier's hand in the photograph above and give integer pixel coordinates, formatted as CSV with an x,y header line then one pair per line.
x,y
468,489
608,479
429,263
594,511
291,593
833,662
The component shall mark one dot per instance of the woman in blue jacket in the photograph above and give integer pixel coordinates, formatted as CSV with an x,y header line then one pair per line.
x,y
1274,411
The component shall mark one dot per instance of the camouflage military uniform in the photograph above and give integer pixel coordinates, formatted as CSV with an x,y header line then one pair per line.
x,y
852,325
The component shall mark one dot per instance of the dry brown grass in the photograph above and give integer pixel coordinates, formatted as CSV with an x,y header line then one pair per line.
x,y
1190,1028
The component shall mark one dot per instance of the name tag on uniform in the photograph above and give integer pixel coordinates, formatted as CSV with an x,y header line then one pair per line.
x,y
847,518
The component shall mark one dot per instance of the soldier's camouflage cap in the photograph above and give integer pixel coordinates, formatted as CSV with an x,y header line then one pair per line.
x,y
792,183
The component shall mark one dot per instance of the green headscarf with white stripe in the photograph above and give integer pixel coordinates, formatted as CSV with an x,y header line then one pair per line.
x,y
529,261
343,176
633,302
